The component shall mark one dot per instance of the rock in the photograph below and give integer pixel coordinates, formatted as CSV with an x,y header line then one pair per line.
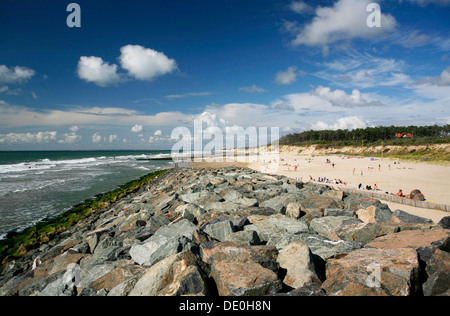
x,y
279,203
438,283
327,226
233,252
405,217
244,279
293,210
411,238
445,222
117,276
440,260
176,275
320,203
312,289
220,230
277,225
373,272
239,269
339,212
244,237
297,260
362,232
375,213
168,237
318,244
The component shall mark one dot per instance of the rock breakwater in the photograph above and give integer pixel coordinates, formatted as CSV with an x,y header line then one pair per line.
x,y
234,231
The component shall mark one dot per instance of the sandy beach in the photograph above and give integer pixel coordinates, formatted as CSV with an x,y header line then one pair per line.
x,y
433,180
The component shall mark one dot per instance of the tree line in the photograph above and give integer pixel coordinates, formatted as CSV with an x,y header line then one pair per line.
x,y
369,134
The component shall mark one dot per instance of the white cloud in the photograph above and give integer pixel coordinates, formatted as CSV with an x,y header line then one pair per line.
x,y
345,20
287,77
185,95
252,89
39,137
442,80
16,75
74,129
351,122
96,138
364,71
137,128
300,7
341,98
113,138
145,63
70,138
94,69
158,133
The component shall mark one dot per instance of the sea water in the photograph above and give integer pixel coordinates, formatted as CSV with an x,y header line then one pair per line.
x,y
42,184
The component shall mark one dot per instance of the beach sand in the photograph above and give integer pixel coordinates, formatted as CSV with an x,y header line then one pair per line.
x,y
433,180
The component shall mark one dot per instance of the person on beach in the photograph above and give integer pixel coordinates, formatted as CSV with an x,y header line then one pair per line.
x,y
400,193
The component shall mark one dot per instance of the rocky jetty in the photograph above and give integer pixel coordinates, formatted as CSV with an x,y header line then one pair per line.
x,y
234,231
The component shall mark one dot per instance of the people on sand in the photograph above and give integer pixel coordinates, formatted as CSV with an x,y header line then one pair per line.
x,y
400,193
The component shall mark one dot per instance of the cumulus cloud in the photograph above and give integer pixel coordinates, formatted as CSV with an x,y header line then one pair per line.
x,y
74,129
300,7
96,138
252,89
16,75
351,122
288,76
137,128
158,133
112,138
70,138
145,63
39,137
441,81
94,69
341,98
345,20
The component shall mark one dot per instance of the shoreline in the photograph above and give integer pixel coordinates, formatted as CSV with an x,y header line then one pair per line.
x,y
19,242
430,177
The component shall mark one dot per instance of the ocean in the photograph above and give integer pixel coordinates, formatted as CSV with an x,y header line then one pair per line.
x,y
41,184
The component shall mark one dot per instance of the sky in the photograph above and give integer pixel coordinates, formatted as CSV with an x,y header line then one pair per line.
x,y
126,74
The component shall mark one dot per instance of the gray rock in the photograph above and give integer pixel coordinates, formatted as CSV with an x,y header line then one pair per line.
x,y
327,226
339,212
318,244
411,219
277,225
220,230
142,252
244,237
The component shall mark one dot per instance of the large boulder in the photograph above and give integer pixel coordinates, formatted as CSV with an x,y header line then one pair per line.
x,y
318,244
241,270
175,275
374,272
278,224
296,259
168,238
412,238
328,226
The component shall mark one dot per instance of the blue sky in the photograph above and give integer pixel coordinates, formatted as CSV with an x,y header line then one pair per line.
x,y
135,70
